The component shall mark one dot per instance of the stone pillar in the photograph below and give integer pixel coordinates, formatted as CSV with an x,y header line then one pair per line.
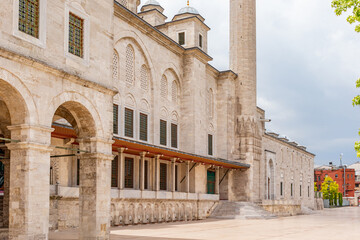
x,y
95,187
142,171
29,182
173,161
217,180
121,163
157,173
6,198
187,177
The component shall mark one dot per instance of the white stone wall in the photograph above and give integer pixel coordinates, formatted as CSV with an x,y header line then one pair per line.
x,y
291,166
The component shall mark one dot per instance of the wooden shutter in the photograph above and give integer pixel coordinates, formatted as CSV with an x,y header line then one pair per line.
x,y
174,137
163,139
129,173
129,123
116,119
210,144
143,127
114,172
163,176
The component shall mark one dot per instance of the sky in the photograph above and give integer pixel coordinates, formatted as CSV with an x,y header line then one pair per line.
x,y
307,64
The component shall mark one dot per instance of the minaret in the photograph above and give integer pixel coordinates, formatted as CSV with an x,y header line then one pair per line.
x,y
243,52
245,186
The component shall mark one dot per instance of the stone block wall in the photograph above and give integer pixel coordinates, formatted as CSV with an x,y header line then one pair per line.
x,y
64,212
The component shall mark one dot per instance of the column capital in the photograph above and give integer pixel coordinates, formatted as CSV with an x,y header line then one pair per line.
x,y
158,156
122,149
143,154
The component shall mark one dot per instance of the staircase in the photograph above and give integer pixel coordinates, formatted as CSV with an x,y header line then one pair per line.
x,y
240,210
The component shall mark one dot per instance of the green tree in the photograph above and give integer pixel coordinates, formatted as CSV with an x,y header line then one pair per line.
x,y
329,188
342,6
340,199
315,187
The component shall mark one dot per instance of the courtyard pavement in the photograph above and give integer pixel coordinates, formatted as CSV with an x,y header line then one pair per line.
x,y
330,224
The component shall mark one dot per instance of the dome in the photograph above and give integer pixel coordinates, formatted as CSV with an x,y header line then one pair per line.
x,y
152,2
188,9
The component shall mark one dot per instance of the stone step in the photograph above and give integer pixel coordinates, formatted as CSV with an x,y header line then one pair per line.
x,y
240,210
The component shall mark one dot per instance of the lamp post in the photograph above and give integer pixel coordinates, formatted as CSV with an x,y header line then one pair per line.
x,y
344,167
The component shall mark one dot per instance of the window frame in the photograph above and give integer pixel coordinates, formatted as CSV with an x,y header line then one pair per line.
x,y
166,177
177,135
118,120
133,172
201,43
166,132
138,125
41,40
76,9
178,37
133,123
212,144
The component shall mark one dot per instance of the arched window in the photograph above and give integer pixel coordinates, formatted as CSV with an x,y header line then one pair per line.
x,y
115,64
164,87
144,78
174,91
210,103
129,65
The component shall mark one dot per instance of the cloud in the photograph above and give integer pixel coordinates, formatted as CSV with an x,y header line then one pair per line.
x,y
307,64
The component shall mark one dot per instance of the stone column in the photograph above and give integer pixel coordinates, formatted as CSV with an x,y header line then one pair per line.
x,y
217,180
173,161
187,177
94,191
142,171
157,173
121,167
29,182
6,198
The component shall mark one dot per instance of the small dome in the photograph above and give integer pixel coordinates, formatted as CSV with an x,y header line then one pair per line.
x,y
152,2
188,9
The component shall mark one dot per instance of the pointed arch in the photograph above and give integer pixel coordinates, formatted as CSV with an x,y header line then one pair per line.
x,y
164,87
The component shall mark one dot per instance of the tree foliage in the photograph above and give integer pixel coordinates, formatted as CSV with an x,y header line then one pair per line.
x,y
315,187
342,6
329,188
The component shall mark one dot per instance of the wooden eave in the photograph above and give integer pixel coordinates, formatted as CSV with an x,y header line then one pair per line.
x,y
135,148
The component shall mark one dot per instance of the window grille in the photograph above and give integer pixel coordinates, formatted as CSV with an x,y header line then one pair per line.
x,y
114,172
116,119
164,87
210,144
76,35
174,91
163,176
129,123
29,17
130,65
143,127
129,173
163,138
144,78
174,137
115,66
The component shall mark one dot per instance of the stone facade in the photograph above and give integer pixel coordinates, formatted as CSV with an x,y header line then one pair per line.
x,y
74,128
